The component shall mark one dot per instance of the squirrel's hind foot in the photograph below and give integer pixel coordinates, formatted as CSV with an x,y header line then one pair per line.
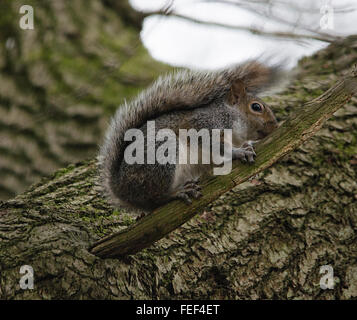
x,y
189,190
140,216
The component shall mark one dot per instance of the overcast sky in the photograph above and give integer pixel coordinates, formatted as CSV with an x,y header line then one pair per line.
x,y
182,43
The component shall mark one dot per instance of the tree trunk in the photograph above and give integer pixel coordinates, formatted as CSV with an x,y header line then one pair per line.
x,y
60,82
267,238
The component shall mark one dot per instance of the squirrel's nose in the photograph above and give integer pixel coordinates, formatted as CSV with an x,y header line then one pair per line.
x,y
271,126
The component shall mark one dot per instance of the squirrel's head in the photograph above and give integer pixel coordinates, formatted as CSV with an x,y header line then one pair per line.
x,y
257,115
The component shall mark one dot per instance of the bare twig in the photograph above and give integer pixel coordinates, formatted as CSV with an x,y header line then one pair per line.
x,y
268,13
253,30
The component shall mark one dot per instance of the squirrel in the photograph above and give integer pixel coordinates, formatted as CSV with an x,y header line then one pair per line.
x,y
221,99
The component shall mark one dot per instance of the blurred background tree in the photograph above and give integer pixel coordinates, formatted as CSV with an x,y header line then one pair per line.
x,y
60,82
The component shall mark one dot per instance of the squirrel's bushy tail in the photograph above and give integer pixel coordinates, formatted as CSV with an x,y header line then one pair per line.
x,y
178,91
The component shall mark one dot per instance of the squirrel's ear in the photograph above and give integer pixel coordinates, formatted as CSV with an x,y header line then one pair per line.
x,y
237,92
258,77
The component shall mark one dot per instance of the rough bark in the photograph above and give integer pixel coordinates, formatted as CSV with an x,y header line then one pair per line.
x,y
60,82
267,238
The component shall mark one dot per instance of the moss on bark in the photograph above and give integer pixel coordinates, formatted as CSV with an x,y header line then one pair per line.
x,y
60,82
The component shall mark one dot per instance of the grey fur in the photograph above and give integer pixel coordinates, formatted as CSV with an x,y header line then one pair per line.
x,y
199,95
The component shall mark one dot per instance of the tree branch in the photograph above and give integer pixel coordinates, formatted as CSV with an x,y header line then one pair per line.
x,y
253,30
268,13
299,127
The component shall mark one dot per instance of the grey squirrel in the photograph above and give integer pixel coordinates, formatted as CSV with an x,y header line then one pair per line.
x,y
223,99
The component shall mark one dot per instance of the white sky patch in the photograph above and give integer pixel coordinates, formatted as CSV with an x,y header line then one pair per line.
x,y
182,43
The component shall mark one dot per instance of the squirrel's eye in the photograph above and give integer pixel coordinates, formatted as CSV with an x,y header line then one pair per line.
x,y
256,107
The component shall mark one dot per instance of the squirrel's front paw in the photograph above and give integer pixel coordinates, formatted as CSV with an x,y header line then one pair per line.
x,y
190,190
244,153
